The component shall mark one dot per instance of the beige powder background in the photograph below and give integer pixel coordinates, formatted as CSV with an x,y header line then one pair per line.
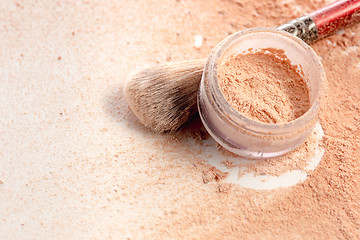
x,y
75,163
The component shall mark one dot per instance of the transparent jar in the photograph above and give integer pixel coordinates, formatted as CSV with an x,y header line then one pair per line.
x,y
242,135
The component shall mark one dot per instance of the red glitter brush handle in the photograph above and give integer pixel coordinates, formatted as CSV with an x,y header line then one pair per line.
x,y
336,16
324,21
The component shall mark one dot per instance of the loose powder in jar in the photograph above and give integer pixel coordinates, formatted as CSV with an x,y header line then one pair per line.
x,y
264,86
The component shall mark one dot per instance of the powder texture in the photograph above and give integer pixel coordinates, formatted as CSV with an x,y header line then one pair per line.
x,y
213,174
264,86
66,178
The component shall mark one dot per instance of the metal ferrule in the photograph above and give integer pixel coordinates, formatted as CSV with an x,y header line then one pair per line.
x,y
303,27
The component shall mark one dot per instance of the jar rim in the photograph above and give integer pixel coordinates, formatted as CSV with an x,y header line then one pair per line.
x,y
236,117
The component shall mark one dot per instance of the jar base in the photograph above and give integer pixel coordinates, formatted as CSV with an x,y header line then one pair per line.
x,y
243,151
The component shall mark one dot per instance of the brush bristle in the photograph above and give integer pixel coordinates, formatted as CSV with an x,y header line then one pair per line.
x,y
163,97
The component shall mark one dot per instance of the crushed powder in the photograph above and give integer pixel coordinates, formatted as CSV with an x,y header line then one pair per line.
x,y
326,205
213,174
264,86
228,164
142,195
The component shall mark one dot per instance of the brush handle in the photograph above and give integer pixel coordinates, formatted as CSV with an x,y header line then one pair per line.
x,y
325,21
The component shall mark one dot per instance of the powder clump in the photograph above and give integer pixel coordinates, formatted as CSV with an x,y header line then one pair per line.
x,y
264,86
213,174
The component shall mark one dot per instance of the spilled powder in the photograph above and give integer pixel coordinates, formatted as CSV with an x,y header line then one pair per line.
x,y
142,190
264,86
213,174
326,205
228,164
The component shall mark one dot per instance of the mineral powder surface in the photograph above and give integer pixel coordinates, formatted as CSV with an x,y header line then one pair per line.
x,y
264,86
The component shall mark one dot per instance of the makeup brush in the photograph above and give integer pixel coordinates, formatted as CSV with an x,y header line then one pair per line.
x,y
163,97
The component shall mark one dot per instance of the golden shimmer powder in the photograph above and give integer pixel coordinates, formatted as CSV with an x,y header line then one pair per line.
x,y
264,86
